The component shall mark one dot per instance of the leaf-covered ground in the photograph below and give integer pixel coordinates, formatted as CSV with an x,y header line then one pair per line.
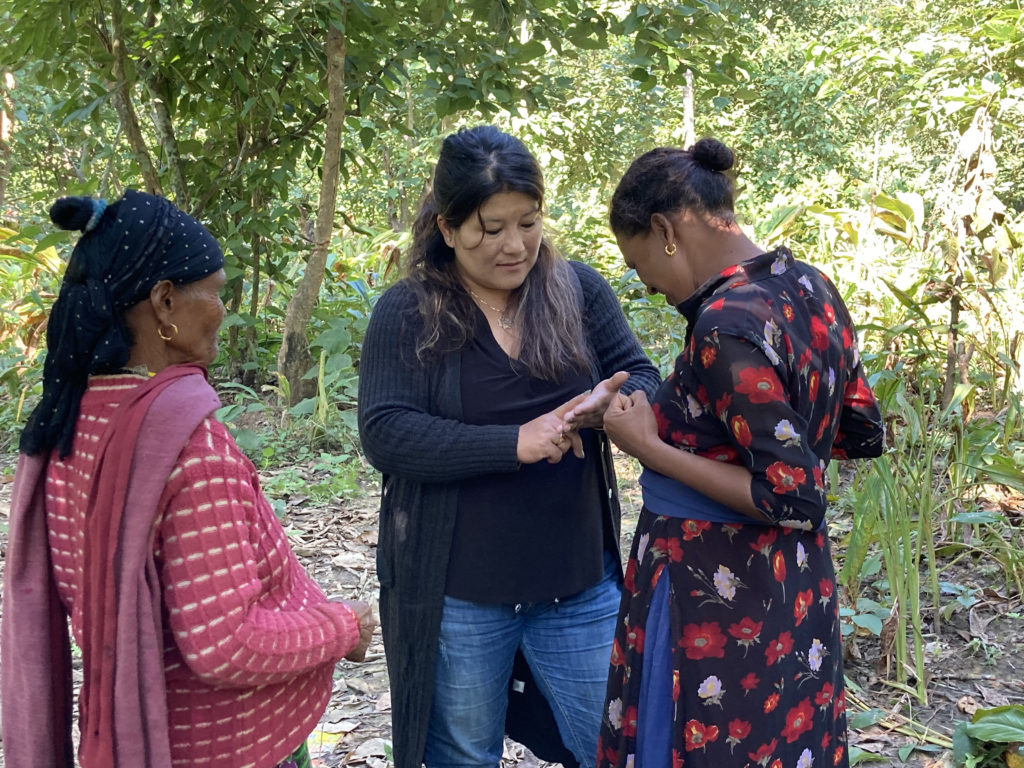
x,y
974,662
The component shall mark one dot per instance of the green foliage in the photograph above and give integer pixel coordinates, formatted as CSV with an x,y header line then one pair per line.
x,y
992,737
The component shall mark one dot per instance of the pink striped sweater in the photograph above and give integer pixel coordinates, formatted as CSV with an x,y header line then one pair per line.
x,y
250,640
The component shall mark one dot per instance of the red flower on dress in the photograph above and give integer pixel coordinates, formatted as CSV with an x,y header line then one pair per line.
x,y
847,338
824,696
787,312
692,529
661,420
750,681
629,581
839,705
675,685
837,756
740,430
717,304
682,439
698,735
760,385
703,641
776,763
779,647
670,547
635,638
805,359
707,355
629,722
779,566
657,575
764,752
738,730
798,721
801,604
764,542
724,453
826,420
746,631
825,587
812,385
785,478
830,314
702,395
618,657
771,703
819,334
858,394
722,404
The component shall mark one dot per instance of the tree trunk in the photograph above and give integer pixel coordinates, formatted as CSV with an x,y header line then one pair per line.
x,y
120,95
6,130
689,128
157,86
293,359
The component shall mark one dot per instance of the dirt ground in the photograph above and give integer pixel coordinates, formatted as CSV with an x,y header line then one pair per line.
x,y
975,662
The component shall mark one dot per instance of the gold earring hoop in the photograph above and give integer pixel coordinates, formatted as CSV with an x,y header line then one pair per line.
x,y
670,249
160,332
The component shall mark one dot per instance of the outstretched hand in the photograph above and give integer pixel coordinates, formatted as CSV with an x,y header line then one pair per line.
x,y
546,437
590,411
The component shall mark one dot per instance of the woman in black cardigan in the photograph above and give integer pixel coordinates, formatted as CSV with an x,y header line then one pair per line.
x,y
483,377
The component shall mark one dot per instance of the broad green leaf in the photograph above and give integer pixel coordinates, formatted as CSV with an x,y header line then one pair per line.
x,y
1001,724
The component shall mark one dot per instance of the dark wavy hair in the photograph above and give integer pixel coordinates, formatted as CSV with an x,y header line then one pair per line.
x,y
474,164
668,179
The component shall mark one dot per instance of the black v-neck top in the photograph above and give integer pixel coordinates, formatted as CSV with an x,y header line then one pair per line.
x,y
535,534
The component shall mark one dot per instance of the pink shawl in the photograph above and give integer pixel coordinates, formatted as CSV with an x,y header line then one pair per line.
x,y
123,706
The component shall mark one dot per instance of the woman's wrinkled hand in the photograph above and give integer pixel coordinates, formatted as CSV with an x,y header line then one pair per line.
x,y
589,413
367,623
629,423
546,437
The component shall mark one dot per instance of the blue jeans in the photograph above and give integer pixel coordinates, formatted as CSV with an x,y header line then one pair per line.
x,y
567,644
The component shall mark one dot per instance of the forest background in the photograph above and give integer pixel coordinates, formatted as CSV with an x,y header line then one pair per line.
x,y
881,140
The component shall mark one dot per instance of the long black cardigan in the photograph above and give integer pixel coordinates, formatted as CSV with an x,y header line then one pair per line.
x,y
411,430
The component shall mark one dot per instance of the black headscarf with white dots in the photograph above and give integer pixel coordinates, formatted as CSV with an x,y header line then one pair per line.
x,y
127,247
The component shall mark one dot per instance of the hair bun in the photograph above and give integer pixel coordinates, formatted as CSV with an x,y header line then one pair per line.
x,y
712,154
81,213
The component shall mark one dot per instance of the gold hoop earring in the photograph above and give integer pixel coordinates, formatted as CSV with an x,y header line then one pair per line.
x,y
160,332
670,249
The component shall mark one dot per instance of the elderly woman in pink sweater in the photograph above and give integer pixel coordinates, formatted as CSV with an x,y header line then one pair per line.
x,y
203,640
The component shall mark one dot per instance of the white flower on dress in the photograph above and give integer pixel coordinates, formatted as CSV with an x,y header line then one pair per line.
x,y
801,555
779,265
711,688
786,433
806,283
725,582
770,353
615,713
694,406
806,759
630,759
641,547
831,381
815,655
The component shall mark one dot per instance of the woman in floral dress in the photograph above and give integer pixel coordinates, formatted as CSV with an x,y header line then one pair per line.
x,y
727,651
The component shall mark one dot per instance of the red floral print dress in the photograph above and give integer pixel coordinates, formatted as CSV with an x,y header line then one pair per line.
x,y
770,378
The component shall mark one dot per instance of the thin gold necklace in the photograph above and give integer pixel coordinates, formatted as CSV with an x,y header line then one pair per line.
x,y
503,319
